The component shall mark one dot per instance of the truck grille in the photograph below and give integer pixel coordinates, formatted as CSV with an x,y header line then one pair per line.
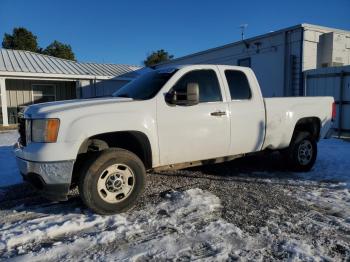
x,y
22,131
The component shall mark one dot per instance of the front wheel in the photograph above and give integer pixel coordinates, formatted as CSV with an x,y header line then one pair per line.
x,y
112,182
302,152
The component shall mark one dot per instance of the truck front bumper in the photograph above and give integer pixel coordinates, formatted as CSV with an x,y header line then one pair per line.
x,y
52,179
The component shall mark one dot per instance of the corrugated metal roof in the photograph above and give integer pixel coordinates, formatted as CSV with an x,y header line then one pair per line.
x,y
29,62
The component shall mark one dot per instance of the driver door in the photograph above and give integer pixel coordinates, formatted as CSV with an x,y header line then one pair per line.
x,y
194,132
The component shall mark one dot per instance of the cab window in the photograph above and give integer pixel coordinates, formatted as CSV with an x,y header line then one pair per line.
x,y
209,88
238,85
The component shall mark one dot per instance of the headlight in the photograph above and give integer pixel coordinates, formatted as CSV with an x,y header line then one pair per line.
x,y
45,130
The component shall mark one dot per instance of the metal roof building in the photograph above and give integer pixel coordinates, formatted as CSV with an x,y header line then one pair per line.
x,y
27,78
14,62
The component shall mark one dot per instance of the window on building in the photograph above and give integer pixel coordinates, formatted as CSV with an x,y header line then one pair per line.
x,y
238,85
43,93
209,88
244,62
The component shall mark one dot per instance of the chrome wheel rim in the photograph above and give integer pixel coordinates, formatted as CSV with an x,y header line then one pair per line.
x,y
305,152
115,183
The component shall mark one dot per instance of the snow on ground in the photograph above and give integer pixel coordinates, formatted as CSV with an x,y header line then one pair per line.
x,y
8,138
331,179
188,225
333,162
9,174
185,226
327,185
184,219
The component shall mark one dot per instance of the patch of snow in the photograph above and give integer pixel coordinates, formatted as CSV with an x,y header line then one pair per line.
x,y
9,173
327,185
332,163
334,200
185,226
8,138
174,225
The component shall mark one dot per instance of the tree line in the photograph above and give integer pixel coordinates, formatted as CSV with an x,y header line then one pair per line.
x,y
23,39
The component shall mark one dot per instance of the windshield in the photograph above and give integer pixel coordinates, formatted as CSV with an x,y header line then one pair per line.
x,y
147,85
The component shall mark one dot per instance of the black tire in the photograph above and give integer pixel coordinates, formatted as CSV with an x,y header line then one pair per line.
x,y
92,172
302,152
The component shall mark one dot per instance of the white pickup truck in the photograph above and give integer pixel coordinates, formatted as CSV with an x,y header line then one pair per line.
x,y
168,118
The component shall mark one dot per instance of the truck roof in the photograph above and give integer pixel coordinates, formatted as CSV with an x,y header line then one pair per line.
x,y
196,65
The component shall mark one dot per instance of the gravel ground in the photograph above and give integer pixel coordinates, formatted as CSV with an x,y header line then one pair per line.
x,y
239,185
256,193
246,196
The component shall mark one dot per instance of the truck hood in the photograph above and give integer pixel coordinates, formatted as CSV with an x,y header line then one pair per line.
x,y
45,109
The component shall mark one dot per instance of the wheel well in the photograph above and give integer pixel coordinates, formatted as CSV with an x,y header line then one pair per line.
x,y
308,124
133,141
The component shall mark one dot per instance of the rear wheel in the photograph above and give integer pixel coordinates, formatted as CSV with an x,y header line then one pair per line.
x,y
112,181
302,152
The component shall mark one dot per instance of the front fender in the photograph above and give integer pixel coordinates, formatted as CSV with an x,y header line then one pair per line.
x,y
82,123
85,127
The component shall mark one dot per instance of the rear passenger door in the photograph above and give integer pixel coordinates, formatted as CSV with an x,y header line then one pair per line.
x,y
247,110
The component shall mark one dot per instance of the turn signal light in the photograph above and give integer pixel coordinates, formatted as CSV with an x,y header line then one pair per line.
x,y
52,130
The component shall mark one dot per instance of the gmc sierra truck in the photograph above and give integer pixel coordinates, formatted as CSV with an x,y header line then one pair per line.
x,y
168,118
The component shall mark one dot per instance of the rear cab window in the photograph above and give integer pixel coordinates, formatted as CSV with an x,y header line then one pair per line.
x,y
238,84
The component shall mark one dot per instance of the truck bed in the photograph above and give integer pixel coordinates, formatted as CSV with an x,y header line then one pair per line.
x,y
282,114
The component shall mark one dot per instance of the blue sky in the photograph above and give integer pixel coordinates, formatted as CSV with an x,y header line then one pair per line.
x,y
126,31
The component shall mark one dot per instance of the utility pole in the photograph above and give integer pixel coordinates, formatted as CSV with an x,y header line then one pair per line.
x,y
243,27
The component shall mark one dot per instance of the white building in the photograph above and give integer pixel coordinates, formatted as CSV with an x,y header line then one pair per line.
x,y
279,58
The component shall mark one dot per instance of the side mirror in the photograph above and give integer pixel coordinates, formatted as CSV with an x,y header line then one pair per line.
x,y
192,94
171,98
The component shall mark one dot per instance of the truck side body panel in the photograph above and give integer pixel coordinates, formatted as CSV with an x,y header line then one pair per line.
x,y
282,115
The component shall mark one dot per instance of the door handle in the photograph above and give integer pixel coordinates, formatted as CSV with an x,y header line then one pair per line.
x,y
218,113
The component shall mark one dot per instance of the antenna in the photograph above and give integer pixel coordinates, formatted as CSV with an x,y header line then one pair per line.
x,y
243,27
